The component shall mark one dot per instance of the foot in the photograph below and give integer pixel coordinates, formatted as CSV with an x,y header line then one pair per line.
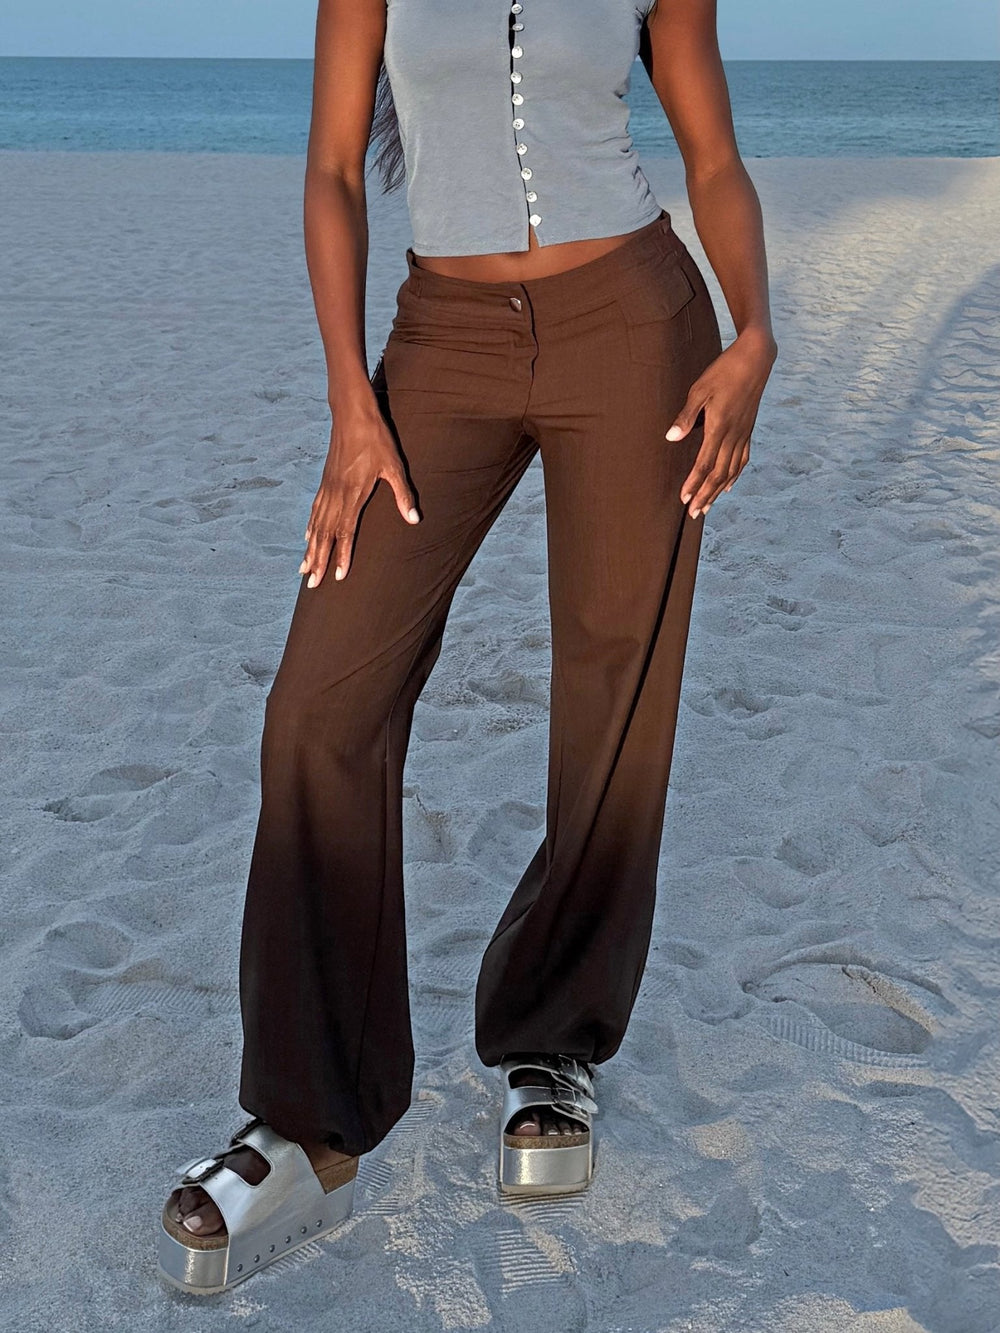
x,y
540,1120
197,1211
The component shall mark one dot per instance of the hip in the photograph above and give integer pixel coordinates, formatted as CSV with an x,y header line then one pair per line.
x,y
644,305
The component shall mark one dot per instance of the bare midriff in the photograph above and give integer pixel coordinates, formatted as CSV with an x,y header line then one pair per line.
x,y
538,261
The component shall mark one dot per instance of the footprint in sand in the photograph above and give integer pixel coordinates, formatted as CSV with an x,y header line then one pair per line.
x,y
730,701
850,1009
528,1263
85,973
443,979
730,1226
107,792
438,724
511,686
784,612
505,835
260,672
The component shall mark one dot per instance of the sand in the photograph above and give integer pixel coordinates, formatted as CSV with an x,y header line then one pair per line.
x,y
801,1131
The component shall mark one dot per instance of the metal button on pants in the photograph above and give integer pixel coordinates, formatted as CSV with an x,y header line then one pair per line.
x,y
588,368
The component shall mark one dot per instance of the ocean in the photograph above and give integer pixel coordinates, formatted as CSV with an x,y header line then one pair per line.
x,y
781,108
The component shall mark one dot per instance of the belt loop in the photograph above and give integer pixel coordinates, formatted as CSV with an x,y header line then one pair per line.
x,y
413,272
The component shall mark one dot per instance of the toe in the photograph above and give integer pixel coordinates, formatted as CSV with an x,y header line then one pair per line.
x,y
198,1213
203,1221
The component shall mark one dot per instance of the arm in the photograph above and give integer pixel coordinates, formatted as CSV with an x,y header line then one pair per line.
x,y
348,52
680,51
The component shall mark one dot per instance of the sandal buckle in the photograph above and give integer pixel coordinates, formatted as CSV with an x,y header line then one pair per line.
x,y
199,1169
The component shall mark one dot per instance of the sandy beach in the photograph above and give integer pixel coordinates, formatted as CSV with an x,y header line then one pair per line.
x,y
801,1131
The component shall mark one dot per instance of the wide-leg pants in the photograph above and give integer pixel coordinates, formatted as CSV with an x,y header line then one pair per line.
x,y
589,367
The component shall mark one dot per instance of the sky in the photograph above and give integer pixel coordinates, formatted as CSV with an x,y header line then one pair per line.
x,y
748,29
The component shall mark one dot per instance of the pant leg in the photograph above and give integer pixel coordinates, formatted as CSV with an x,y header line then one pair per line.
x,y
327,1051
564,964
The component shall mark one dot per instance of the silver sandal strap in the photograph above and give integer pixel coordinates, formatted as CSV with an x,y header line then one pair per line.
x,y
563,1068
575,1105
198,1168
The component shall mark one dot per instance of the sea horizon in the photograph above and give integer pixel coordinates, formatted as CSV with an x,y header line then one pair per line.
x,y
253,104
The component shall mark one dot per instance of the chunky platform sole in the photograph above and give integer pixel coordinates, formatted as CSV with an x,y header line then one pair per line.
x,y
541,1168
292,1206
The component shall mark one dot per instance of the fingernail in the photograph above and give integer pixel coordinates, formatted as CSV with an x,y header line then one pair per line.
x,y
193,1223
339,574
303,568
413,516
674,433
685,497
695,513
312,581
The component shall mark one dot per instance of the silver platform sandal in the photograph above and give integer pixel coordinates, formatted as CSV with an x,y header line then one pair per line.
x,y
547,1163
293,1205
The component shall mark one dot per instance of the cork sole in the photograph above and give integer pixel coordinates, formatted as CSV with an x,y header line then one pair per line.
x,y
545,1140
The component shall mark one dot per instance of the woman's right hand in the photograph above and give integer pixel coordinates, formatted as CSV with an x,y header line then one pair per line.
x,y
362,451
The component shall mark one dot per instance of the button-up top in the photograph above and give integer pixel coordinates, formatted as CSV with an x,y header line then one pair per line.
x,y
512,115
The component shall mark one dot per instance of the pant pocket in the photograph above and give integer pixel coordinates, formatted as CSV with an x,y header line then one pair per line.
x,y
656,310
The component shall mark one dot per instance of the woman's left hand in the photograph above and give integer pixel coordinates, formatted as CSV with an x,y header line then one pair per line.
x,y
729,390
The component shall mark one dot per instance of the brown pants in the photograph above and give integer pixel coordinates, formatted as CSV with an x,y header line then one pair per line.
x,y
589,366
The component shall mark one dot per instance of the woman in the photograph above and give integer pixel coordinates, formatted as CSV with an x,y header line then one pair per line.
x,y
548,306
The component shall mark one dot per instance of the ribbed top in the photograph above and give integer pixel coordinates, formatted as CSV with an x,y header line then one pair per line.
x,y
513,114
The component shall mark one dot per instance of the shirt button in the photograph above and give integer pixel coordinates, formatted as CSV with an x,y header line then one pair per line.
x,y
526,173
531,196
516,9
534,219
515,77
522,148
517,98
516,52
517,26
515,302
518,123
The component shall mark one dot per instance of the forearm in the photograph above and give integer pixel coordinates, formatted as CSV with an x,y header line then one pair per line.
x,y
335,220
727,217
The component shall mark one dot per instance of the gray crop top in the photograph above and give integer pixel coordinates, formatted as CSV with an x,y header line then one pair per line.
x,y
512,114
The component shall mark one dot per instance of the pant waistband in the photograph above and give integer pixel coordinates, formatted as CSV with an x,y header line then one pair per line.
x,y
588,281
